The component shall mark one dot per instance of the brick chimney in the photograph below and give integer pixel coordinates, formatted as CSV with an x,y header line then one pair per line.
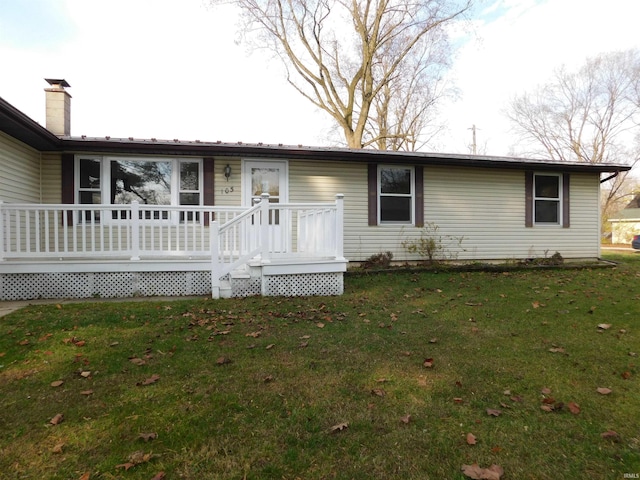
x,y
58,103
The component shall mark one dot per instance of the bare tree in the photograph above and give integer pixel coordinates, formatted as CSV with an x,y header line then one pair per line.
x,y
591,115
373,65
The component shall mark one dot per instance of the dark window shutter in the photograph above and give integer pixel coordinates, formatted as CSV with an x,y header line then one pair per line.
x,y
528,198
372,181
68,184
419,190
565,201
208,180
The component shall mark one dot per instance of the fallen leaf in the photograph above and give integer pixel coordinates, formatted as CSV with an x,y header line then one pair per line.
x,y
270,346
603,390
85,374
80,343
137,361
85,476
253,334
535,304
320,325
611,434
126,466
471,439
428,363
626,375
458,400
268,378
159,476
148,436
57,448
557,350
86,392
305,337
433,340
546,408
339,427
604,326
406,419
303,344
57,383
223,360
378,392
152,379
59,418
545,391
494,472
493,412
573,408
24,342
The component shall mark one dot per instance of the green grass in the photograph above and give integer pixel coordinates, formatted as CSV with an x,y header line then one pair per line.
x,y
251,388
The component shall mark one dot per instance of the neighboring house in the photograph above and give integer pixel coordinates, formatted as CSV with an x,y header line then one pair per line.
x,y
626,223
123,216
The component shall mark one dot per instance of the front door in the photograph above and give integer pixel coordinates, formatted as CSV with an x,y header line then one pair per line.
x,y
268,177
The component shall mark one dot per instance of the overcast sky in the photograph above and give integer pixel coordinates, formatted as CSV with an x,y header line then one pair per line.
x,y
172,69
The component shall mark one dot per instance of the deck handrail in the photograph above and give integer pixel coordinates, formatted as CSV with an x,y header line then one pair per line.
x,y
32,232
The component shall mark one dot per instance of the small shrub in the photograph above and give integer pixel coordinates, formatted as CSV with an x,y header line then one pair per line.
x,y
433,246
378,260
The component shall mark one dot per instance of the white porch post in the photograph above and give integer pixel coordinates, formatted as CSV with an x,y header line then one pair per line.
x,y
264,227
135,230
214,241
339,225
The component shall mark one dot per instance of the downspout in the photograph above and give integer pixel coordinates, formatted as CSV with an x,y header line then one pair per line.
x,y
610,177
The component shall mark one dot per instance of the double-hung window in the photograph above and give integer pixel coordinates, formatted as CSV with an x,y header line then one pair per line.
x,y
396,194
547,199
547,195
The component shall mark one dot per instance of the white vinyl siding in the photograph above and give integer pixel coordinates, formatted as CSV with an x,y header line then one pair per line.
x,y
485,206
51,178
19,172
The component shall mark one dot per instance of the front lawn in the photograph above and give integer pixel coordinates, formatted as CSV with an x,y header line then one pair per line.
x,y
407,376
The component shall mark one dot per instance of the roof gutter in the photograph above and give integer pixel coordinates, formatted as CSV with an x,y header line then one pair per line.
x,y
612,176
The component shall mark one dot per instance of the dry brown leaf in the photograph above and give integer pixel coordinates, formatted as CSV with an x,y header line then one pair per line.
x,y
57,383
535,304
57,448
152,379
85,374
148,436
255,334
611,435
603,390
557,350
159,476
85,476
494,472
406,419
626,375
126,466
339,427
305,337
270,346
86,392
268,379
573,408
320,325
471,439
223,361
604,326
378,392
59,418
137,361
303,344
545,391
428,363
493,412
547,408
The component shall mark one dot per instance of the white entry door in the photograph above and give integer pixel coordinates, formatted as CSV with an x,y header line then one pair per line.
x,y
270,177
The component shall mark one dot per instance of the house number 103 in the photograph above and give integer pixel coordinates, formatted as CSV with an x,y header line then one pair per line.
x,y
226,190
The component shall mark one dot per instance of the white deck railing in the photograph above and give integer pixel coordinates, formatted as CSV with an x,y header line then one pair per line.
x,y
32,232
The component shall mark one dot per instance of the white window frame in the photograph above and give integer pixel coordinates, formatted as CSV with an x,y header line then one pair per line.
x,y
558,200
105,179
411,195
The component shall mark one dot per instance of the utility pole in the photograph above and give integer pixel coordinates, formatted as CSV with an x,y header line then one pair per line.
x,y
473,145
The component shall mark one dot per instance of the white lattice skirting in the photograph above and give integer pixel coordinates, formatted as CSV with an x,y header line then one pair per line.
x,y
54,285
